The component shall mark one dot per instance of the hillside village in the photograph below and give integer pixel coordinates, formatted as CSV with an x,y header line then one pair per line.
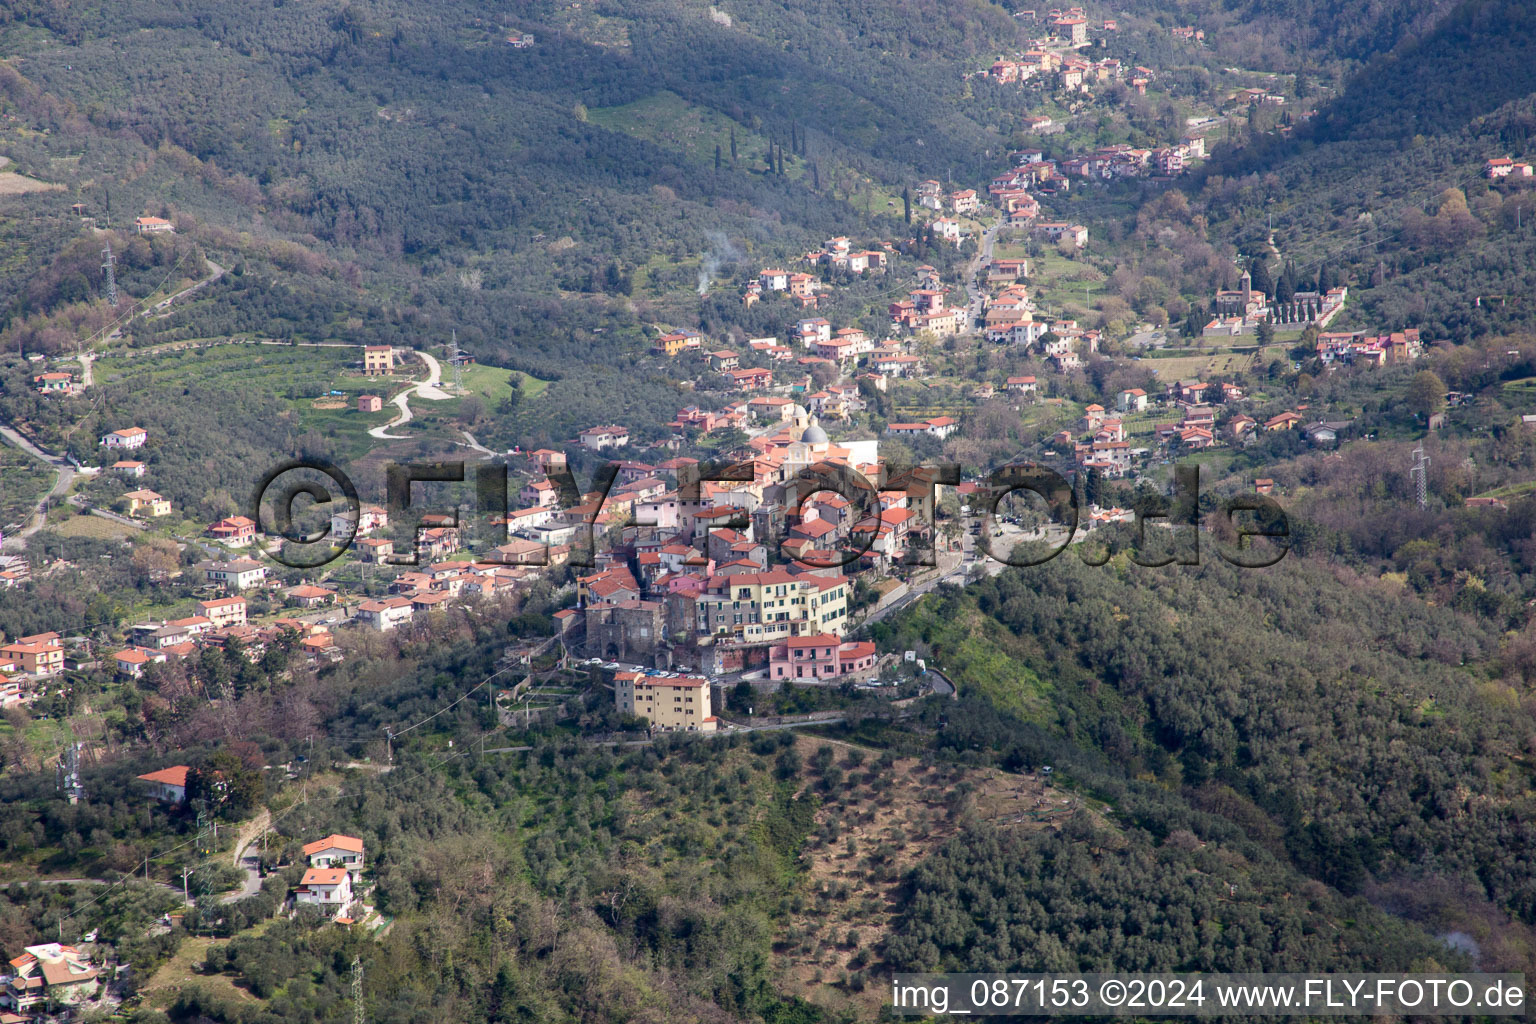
x,y
750,575
693,642
755,575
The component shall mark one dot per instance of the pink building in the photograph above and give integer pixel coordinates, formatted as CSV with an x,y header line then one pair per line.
x,y
821,657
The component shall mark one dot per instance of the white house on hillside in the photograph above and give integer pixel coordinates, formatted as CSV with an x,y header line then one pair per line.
x,y
330,889
336,851
168,784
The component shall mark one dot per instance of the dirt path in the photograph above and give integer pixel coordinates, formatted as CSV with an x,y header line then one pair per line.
x,y
240,858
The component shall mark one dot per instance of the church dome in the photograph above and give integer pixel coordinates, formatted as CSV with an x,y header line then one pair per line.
x,y
814,434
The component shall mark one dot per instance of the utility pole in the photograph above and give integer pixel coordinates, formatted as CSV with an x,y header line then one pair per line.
x,y
106,265
185,895
357,990
458,368
1420,473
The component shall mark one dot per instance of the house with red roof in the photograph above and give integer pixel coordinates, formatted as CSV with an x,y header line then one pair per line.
x,y
329,889
336,850
234,531
820,657
168,785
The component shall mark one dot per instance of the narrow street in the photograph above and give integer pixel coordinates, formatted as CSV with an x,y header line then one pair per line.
x,y
975,293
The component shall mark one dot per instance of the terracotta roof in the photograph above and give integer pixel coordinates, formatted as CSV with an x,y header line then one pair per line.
x,y
335,841
817,640
176,775
59,972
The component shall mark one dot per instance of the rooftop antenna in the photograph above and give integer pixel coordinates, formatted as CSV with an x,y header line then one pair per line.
x,y
1420,473
106,265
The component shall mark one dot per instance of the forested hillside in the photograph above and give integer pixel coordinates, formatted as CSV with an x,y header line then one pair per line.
x,y
382,172
1329,763
1386,183
1337,726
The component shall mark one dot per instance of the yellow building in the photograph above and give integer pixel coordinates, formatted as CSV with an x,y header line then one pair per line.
x,y
147,503
378,359
762,607
38,655
678,342
671,703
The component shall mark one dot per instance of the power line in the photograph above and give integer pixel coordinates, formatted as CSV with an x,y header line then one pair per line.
x,y
462,697
300,802
304,793
458,368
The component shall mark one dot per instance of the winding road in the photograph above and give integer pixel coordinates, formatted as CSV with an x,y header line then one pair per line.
x,y
61,485
469,439
429,389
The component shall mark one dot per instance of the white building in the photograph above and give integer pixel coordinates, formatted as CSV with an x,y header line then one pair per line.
x,y
240,574
51,975
128,437
598,438
385,614
330,889
168,784
336,850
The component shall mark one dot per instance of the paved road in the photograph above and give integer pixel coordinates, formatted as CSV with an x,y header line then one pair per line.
x,y
951,574
428,389
973,284
214,273
64,479
65,472
469,439
250,862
